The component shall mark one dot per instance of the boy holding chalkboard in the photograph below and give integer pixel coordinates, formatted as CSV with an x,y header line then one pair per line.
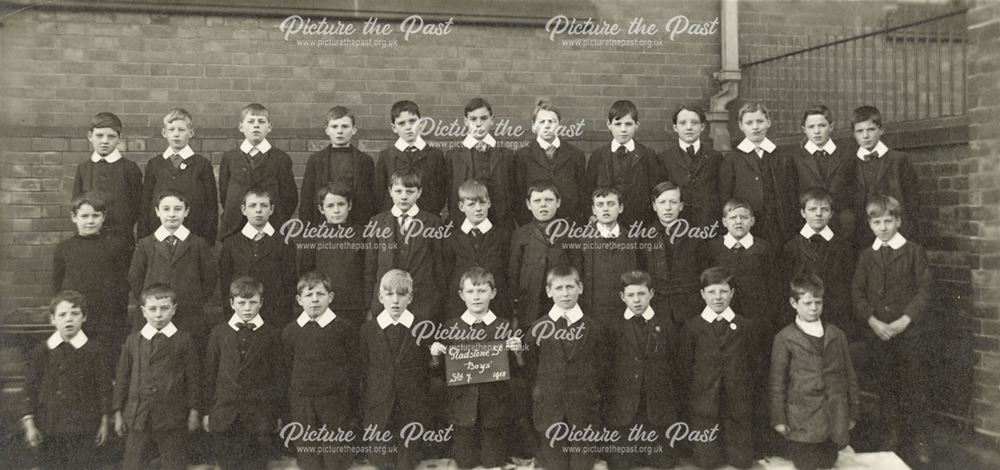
x,y
481,412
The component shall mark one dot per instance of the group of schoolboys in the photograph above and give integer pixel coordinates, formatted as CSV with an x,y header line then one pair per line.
x,y
734,360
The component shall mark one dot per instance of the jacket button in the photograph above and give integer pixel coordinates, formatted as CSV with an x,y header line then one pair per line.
x,y
886,308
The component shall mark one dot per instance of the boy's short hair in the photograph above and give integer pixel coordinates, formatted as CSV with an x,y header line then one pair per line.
x,y
93,199
736,203
562,271
753,107
74,298
172,193
544,104
817,110
312,279
663,187
406,179
634,278
803,283
106,120
540,186
259,192
621,108
400,107
158,290
338,112
396,280
473,190
477,103
337,188
694,109
605,191
478,276
253,109
245,287
178,114
817,193
715,275
864,113
879,205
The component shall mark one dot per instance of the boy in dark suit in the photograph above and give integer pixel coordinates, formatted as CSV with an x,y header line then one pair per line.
x,y
608,253
339,162
643,347
117,179
694,167
260,252
477,243
394,368
881,171
482,159
68,385
321,350
156,394
890,291
819,163
821,251
626,165
411,154
548,158
183,171
408,238
244,381
175,256
716,362
255,164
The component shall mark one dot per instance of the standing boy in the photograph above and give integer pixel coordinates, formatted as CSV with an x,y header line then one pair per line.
x,y
608,252
548,158
411,154
820,163
480,158
693,166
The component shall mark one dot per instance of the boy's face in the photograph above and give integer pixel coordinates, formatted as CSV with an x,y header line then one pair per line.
x,y
314,300
717,296
623,129
394,301
479,121
246,307
335,208
475,210
867,134
103,140
817,129
754,126
477,297
257,209
668,206
564,291
158,311
341,131
545,125
171,212
636,298
178,133
404,197
817,214
808,308
407,126
607,209
87,220
884,226
689,126
543,205
738,222
68,319
255,128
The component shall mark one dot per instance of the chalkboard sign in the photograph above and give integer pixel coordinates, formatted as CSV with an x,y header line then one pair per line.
x,y
476,363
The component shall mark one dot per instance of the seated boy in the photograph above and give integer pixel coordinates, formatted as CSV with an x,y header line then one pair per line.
x,y
608,252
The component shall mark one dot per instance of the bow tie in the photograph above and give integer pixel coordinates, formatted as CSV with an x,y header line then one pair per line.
x,y
244,325
869,156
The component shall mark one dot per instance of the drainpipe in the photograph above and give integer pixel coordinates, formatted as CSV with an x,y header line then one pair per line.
x,y
728,77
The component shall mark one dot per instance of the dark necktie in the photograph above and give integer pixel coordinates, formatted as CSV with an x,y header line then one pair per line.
x,y
260,236
476,233
738,248
621,153
886,252
172,243
550,152
245,326
869,156
639,323
817,238
395,334
64,347
690,152
156,342
404,221
481,147
720,325
176,160
243,335
820,153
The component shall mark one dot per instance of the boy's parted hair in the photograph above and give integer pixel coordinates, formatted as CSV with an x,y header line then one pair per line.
x,y
172,193
803,283
93,199
336,188
634,278
605,191
400,107
621,108
106,120
406,179
544,104
817,110
259,192
736,203
715,275
817,193
178,114
477,103
338,112
663,187
478,276
864,113
753,107
473,190
74,298
397,281
879,205
312,279
158,290
253,109
694,109
562,271
540,186
245,287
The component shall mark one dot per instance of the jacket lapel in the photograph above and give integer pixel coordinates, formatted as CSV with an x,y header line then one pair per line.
x,y
539,156
466,156
810,161
181,248
162,250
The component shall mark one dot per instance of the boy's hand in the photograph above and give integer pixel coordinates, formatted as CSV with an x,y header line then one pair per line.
x,y
438,349
193,420
31,435
119,424
102,433
204,423
514,344
781,428
880,328
900,325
